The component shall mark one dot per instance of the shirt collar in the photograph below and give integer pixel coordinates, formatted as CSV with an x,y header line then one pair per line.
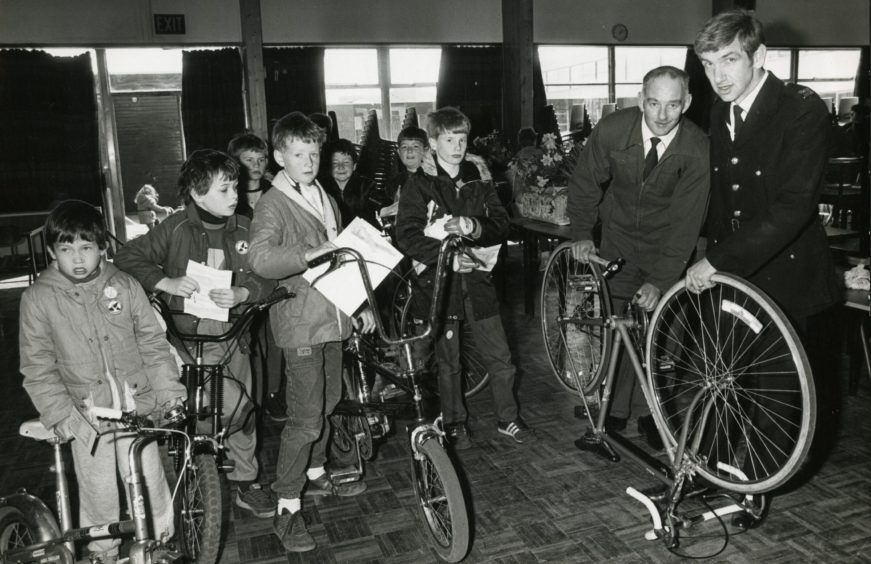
x,y
664,140
747,102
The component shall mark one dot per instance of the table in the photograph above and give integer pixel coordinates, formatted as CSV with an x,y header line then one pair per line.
x,y
531,231
859,300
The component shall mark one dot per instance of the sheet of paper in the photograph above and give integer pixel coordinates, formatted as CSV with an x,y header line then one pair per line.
x,y
199,304
344,286
489,255
436,228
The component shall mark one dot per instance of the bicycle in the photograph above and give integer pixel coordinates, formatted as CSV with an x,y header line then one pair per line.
x,y
727,381
361,417
29,531
199,509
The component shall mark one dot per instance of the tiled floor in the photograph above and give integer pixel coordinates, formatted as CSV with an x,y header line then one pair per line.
x,y
544,501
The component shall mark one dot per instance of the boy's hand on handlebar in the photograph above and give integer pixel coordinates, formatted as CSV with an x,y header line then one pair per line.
x,y
463,264
182,286
365,322
324,247
228,297
582,250
460,225
647,296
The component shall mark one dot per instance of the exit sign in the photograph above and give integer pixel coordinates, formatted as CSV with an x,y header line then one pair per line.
x,y
169,24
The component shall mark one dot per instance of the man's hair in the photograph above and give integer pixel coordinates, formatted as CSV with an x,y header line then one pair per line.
x,y
246,141
295,125
413,133
725,27
343,146
73,219
201,167
526,137
447,120
323,121
671,72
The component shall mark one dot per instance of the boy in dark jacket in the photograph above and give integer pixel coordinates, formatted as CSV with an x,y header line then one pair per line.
x,y
209,232
455,186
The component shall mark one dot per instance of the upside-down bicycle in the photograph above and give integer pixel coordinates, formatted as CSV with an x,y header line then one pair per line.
x,y
727,381
363,415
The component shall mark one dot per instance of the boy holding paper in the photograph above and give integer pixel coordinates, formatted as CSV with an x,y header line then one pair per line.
x,y
210,233
295,222
462,189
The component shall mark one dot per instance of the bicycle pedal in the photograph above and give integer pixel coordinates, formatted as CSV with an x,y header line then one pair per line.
x,y
345,475
595,443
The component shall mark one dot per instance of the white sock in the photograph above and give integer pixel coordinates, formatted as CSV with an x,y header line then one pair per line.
x,y
292,505
315,472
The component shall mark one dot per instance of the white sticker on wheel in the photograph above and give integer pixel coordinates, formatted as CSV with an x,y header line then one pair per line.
x,y
748,318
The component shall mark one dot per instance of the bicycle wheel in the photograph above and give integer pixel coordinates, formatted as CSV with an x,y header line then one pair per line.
x,y
16,530
574,304
441,501
728,362
475,374
198,510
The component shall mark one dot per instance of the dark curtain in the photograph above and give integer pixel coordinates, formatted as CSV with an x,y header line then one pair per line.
x,y
470,78
211,98
49,138
862,87
294,81
701,91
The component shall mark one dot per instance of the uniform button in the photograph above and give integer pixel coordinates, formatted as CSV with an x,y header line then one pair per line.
x,y
106,338
99,381
792,256
734,160
716,168
735,187
736,213
758,173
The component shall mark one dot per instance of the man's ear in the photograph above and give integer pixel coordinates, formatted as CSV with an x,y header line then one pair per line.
x,y
759,56
688,99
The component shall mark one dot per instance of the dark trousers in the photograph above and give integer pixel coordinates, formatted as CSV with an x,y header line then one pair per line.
x,y
491,347
314,387
266,361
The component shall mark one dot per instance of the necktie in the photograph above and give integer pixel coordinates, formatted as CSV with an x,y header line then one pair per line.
x,y
737,121
652,157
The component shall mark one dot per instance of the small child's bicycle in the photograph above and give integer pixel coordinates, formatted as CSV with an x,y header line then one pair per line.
x,y
364,416
727,381
29,531
199,503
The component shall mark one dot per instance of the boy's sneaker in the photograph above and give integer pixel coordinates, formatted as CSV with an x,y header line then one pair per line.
x,y
325,486
458,435
261,503
276,407
292,532
517,430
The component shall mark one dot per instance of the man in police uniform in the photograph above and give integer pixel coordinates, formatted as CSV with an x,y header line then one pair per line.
x,y
645,172
768,149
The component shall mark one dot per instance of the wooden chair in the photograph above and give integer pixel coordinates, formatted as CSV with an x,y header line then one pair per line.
x,y
846,191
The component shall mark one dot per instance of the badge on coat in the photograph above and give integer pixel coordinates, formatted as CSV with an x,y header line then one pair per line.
x,y
114,307
110,292
242,247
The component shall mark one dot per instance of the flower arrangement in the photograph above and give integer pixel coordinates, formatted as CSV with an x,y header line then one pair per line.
x,y
493,149
546,166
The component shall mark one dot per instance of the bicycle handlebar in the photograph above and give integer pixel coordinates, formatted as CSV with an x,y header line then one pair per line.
x,y
239,325
612,267
451,245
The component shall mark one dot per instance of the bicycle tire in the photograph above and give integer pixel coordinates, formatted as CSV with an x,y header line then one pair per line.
x,y
198,508
16,530
733,348
441,503
574,303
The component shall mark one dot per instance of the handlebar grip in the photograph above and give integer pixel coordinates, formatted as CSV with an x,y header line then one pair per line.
x,y
107,413
280,293
319,260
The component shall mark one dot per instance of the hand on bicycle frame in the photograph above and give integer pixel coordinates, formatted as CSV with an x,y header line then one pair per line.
x,y
364,322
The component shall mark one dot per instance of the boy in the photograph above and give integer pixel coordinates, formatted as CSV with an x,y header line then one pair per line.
x,y
355,195
455,186
295,222
209,232
252,154
412,145
88,338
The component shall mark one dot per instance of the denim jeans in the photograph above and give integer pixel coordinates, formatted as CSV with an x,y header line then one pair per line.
x,y
314,387
491,347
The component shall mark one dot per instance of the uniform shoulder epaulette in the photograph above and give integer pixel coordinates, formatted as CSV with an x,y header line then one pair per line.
x,y
804,91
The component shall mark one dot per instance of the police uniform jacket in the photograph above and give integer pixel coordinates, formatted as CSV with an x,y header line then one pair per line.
x,y
763,223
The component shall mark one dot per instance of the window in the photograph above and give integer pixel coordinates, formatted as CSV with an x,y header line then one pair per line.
x,y
632,63
831,73
149,69
353,86
779,62
575,76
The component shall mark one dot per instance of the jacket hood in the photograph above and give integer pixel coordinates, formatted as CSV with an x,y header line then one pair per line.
x,y
54,278
429,165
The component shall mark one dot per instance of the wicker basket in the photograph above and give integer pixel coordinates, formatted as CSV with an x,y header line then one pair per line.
x,y
548,205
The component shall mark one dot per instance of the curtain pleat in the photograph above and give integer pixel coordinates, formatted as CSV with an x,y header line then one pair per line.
x,y
699,111
294,81
470,78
